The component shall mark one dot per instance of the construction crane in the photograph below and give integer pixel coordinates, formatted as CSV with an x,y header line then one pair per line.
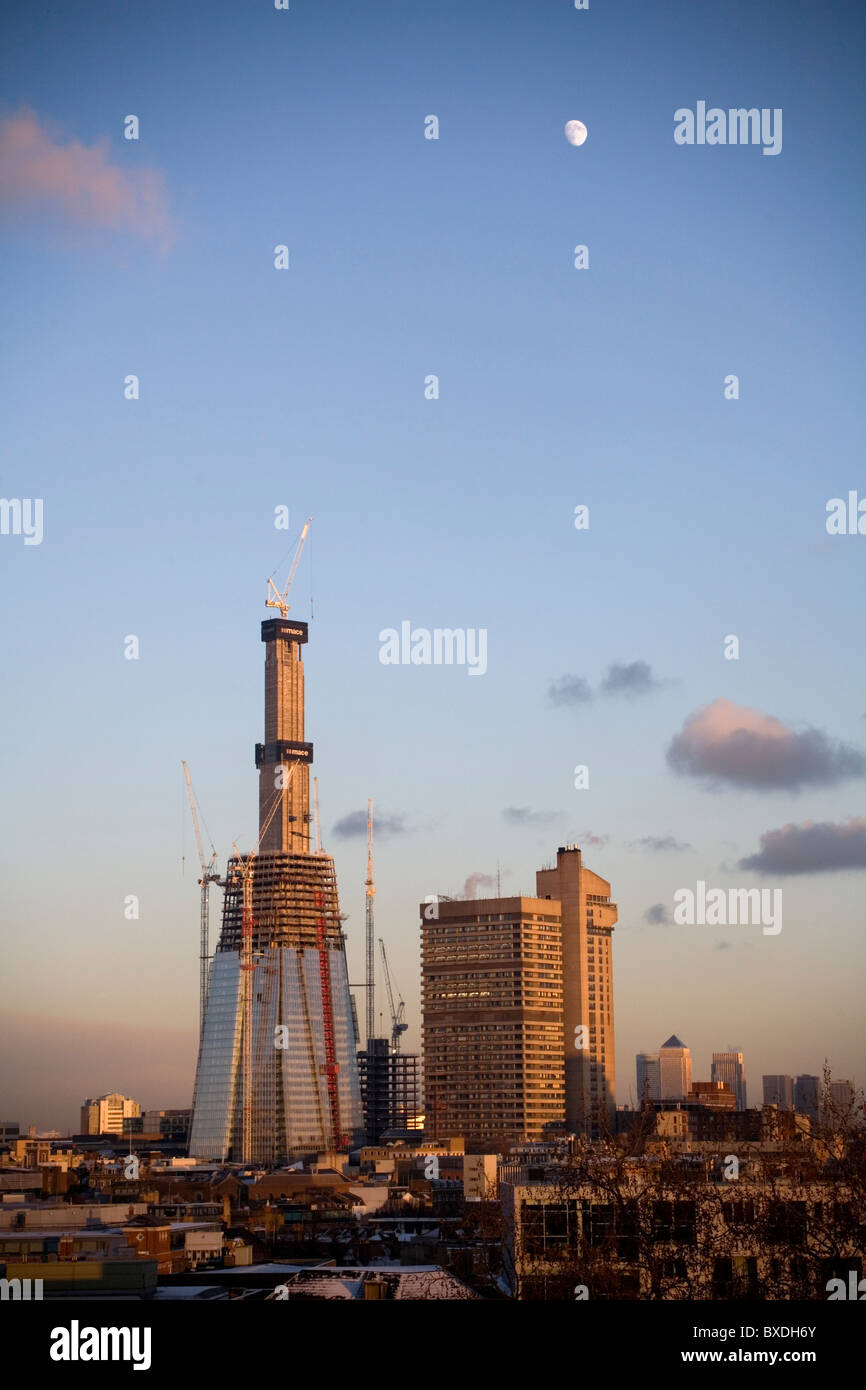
x,y
398,1015
370,888
277,599
317,824
209,875
247,964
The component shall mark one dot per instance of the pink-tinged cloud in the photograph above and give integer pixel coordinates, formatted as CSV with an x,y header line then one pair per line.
x,y
476,881
724,742
39,175
811,848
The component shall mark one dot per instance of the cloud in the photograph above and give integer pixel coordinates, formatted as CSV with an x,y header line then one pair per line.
x,y
657,915
39,174
523,815
811,848
659,844
476,881
354,825
569,690
729,743
587,838
632,680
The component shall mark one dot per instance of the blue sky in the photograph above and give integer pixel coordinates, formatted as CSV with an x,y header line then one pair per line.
x,y
306,388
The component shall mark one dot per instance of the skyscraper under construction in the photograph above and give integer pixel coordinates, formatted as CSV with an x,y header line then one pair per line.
x,y
277,1074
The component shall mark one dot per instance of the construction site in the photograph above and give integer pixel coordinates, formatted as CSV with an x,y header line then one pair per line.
x,y
281,1074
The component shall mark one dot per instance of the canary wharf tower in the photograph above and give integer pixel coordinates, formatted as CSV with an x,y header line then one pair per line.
x,y
277,1074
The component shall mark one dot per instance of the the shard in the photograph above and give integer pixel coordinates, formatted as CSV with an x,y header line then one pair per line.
x,y
277,1075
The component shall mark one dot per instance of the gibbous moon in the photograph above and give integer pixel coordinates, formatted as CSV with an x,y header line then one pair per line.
x,y
575,132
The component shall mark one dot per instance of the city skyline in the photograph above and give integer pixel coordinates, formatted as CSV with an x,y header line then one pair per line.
x,y
305,389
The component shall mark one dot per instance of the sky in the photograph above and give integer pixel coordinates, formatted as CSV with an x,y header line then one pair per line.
x,y
308,388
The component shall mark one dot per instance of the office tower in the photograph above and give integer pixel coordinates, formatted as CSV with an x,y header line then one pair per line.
x,y
390,1090
728,1067
106,1114
807,1093
587,921
675,1069
649,1080
518,1009
841,1098
492,1017
277,1073
779,1091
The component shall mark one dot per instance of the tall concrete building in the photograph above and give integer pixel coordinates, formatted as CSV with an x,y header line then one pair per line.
x,y
779,1091
287,1085
675,1069
730,1068
588,917
492,1017
518,1009
106,1114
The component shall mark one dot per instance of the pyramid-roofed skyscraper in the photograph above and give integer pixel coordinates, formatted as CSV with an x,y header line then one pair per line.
x,y
288,1085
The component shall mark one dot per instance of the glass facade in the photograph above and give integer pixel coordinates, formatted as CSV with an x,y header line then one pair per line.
x,y
290,1110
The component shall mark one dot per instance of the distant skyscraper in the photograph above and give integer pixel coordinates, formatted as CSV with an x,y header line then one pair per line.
x,y
106,1114
729,1068
675,1069
779,1090
649,1080
291,1086
841,1098
807,1092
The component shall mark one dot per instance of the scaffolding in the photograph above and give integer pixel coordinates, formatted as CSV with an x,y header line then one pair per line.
x,y
285,909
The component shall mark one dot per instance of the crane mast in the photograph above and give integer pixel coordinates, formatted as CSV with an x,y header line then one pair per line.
x,y
369,920
317,824
209,875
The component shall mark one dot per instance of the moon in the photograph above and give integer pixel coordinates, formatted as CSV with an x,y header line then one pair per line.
x,y
575,132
